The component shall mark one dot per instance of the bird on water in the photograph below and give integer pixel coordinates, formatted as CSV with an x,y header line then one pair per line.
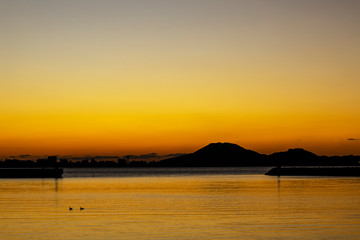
x,y
81,208
70,208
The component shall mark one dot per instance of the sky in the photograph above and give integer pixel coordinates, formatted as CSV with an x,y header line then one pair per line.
x,y
132,77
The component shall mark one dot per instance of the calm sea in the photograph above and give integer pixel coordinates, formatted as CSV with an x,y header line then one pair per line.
x,y
200,203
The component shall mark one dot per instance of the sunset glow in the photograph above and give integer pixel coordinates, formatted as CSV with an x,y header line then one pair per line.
x,y
132,77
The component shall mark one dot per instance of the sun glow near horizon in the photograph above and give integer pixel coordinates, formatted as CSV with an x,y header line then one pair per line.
x,y
164,76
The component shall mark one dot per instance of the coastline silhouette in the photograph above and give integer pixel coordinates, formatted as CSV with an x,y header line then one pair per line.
x,y
213,155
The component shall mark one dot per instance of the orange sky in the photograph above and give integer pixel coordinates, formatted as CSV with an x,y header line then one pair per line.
x,y
131,77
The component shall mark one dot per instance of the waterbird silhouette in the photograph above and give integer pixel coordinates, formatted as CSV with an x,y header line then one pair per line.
x,y
70,208
81,208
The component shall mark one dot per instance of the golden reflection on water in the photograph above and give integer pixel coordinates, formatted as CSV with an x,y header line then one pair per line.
x,y
181,207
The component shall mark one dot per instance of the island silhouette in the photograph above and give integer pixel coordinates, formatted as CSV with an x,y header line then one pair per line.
x,y
213,155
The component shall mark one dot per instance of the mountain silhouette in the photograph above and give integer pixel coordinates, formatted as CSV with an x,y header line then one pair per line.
x,y
232,155
296,156
217,155
213,155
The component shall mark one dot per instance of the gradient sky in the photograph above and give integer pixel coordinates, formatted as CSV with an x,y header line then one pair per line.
x,y
131,77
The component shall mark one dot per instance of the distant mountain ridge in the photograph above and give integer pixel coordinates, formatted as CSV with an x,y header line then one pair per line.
x,y
230,154
215,154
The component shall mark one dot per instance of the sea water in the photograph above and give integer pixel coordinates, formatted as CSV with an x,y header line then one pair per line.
x,y
198,203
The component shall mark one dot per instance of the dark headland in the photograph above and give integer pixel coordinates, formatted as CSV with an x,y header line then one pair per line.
x,y
298,162
216,155
314,171
232,155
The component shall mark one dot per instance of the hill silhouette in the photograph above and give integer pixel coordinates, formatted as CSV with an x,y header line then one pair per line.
x,y
232,155
217,155
213,155
296,156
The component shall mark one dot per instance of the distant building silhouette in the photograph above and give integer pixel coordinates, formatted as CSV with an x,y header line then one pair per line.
x,y
51,161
